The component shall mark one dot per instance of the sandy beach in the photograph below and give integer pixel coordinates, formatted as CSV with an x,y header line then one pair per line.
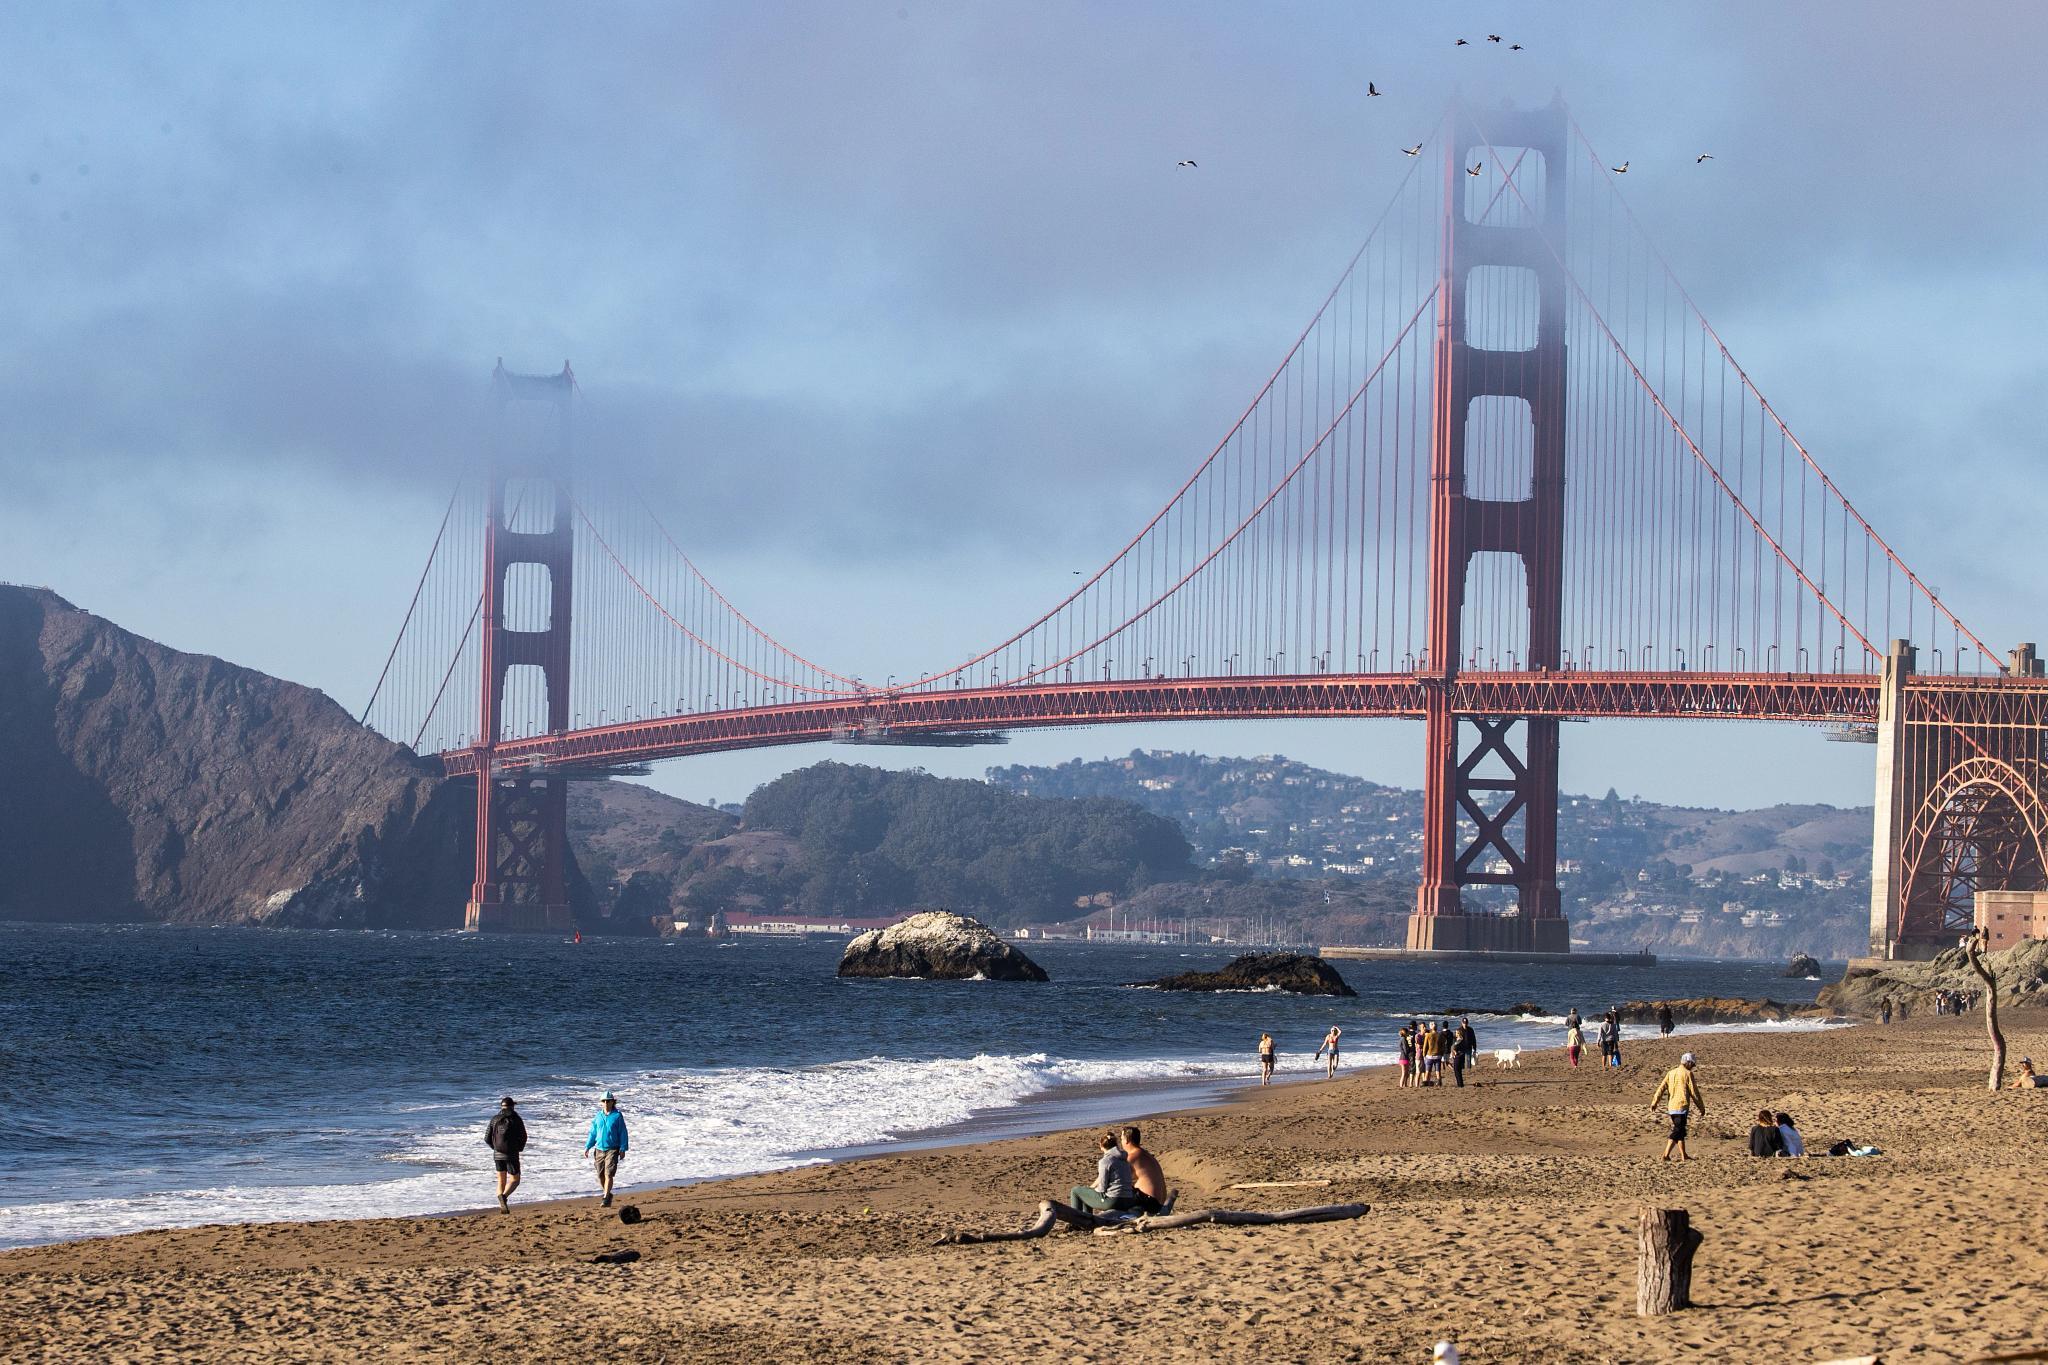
x,y
1502,1217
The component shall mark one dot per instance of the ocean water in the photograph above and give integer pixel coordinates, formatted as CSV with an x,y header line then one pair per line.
x,y
157,1077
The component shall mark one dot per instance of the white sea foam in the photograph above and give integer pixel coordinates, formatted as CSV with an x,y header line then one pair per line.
x,y
684,1125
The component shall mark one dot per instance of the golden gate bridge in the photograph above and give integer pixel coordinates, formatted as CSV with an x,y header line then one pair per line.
x,y
1507,475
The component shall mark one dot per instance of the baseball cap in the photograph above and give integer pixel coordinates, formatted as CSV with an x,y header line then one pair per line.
x,y
1686,1060
608,1095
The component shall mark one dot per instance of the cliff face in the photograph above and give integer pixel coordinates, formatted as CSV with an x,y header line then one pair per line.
x,y
137,782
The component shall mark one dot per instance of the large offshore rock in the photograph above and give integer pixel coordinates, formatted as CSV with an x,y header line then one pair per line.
x,y
938,945
1802,966
1718,1009
1296,973
2021,972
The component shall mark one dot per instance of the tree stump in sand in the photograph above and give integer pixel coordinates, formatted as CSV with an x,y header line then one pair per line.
x,y
1665,1244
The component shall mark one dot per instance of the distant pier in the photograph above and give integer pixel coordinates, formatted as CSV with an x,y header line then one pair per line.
x,y
1643,959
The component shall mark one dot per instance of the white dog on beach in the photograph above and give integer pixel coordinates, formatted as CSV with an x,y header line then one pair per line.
x,y
1505,1057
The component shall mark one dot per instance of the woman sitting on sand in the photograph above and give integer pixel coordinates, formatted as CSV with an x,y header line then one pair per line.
x,y
1764,1137
1795,1145
2026,1080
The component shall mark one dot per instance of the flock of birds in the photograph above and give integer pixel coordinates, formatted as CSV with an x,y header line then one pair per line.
x,y
1373,92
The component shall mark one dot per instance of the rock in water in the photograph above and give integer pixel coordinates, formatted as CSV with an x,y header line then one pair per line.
x,y
1297,973
941,946
1802,966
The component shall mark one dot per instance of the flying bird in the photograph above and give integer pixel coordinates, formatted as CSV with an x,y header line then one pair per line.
x,y
1473,169
1371,89
1514,47
1416,150
1187,163
1461,43
1703,156
1622,169
1493,37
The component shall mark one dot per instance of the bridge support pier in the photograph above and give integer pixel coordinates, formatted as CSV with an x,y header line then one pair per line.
x,y
1490,805
522,821
1962,800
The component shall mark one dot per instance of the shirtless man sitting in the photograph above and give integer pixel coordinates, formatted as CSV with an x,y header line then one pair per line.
x,y
1148,1182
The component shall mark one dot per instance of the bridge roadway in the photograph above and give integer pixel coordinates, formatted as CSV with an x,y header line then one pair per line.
x,y
899,714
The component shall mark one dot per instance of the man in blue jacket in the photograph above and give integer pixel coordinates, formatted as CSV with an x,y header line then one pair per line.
x,y
607,1145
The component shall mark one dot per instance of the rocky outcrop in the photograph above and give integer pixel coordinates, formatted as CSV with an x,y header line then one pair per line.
x,y
1801,967
1295,973
2021,972
141,783
938,945
1718,1009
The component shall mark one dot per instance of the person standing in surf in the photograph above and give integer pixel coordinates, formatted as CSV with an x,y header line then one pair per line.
x,y
1267,1059
506,1137
1664,1024
606,1146
1329,1045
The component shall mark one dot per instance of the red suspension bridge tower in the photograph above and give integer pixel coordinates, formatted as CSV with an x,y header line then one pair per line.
x,y
1490,804
522,819
1567,500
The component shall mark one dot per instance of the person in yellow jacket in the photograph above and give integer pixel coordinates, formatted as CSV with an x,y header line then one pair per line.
x,y
1678,1094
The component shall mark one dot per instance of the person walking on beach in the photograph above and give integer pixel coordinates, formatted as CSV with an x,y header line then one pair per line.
x,y
1440,1048
1664,1019
1884,1011
1679,1095
1610,1038
1574,1042
506,1136
1113,1189
1407,1037
1267,1059
1330,1041
607,1145
1463,1051
1571,1017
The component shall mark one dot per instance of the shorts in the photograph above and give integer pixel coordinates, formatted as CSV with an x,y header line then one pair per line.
x,y
506,1162
606,1161
1677,1126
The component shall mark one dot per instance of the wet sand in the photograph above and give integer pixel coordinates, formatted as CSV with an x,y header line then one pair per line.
x,y
1502,1217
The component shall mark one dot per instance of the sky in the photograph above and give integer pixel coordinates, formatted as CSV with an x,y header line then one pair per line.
x,y
904,309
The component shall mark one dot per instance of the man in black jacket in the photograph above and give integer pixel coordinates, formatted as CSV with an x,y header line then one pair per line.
x,y
507,1139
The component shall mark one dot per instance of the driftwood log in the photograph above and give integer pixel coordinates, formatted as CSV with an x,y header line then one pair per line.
x,y
1971,948
1665,1245
1052,1214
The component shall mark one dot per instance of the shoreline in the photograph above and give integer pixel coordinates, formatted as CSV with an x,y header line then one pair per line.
x,y
1062,1107
1059,1107
1502,1217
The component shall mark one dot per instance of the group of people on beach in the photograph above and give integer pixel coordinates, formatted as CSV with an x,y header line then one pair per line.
x,y
1609,1034
1954,1002
1128,1178
1428,1047
604,1146
1775,1134
1269,1054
